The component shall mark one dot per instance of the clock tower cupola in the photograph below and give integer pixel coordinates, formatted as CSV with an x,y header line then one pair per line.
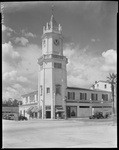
x,y
52,41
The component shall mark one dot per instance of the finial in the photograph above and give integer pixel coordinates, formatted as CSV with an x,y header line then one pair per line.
x,y
52,9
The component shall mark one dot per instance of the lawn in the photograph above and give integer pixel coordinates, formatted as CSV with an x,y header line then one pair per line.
x,y
59,133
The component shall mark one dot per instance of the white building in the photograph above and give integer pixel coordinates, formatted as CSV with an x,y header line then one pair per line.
x,y
101,85
53,96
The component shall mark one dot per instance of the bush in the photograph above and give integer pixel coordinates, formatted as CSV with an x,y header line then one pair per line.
x,y
22,118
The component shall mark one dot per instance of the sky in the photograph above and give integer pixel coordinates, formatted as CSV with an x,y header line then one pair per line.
x,y
90,42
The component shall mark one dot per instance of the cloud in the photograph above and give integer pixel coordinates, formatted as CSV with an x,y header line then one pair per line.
x,y
15,91
4,28
14,85
22,41
18,6
82,68
9,55
25,75
110,60
9,76
28,34
93,40
22,79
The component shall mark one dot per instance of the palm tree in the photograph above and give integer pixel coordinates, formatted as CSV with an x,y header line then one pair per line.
x,y
112,79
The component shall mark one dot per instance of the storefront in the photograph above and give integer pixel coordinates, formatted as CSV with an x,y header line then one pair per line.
x,y
71,111
59,112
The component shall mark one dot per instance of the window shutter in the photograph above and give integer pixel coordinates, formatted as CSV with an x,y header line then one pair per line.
x,y
80,96
91,96
106,97
85,96
73,95
68,95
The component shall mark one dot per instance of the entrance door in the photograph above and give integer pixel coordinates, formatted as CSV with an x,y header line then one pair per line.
x,y
68,111
48,114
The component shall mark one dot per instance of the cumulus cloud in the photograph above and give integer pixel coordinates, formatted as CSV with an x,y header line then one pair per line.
x,y
93,40
13,85
10,75
9,55
15,91
28,34
4,28
22,41
23,78
84,68
81,65
110,60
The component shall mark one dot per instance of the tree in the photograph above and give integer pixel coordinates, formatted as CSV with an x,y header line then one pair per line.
x,y
112,79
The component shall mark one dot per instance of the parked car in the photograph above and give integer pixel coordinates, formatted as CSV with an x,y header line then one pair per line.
x,y
5,116
97,115
22,118
10,117
107,115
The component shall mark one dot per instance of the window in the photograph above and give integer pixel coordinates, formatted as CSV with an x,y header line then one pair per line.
x,y
96,106
71,95
83,96
105,97
35,97
26,100
105,86
94,96
41,90
20,112
58,89
73,111
24,113
48,90
83,106
57,65
97,85
41,66
31,98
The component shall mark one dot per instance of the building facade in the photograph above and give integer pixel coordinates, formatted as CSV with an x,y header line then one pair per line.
x,y
101,85
53,96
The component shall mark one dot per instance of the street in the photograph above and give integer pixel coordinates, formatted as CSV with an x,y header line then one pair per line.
x,y
59,133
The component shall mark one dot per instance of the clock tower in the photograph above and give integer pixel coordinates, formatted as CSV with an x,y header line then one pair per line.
x,y
52,75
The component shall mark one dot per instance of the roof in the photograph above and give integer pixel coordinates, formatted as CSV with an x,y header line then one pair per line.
x,y
102,81
72,88
95,90
34,92
10,109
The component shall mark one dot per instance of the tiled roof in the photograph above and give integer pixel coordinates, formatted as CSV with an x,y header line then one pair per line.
x,y
102,81
34,92
72,88
95,90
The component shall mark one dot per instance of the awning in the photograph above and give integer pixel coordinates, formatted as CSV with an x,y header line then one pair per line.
x,y
35,109
30,109
59,109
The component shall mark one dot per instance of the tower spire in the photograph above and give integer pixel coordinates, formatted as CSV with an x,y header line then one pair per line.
x,y
52,9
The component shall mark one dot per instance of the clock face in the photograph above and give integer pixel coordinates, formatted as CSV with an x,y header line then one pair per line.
x,y
56,42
